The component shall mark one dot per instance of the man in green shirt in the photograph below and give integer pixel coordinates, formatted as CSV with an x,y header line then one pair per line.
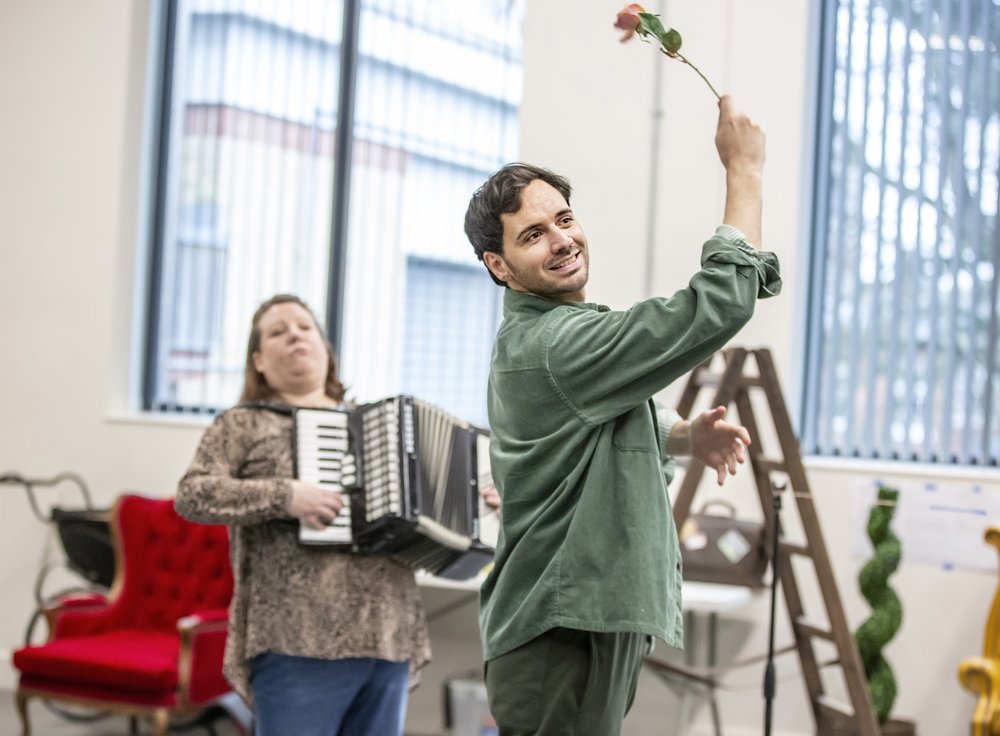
x,y
587,566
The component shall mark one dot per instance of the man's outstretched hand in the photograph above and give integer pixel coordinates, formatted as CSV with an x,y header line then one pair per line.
x,y
717,443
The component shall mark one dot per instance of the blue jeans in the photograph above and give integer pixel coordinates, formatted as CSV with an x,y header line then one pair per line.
x,y
321,697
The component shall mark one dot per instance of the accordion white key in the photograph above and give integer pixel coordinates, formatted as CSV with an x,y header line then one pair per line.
x,y
413,473
322,457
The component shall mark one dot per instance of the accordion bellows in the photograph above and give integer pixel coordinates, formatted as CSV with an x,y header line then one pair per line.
x,y
413,474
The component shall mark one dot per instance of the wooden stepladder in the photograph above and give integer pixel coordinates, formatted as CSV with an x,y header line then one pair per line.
x,y
736,384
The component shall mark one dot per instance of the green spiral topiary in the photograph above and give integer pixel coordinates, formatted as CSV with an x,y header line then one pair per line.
x,y
887,612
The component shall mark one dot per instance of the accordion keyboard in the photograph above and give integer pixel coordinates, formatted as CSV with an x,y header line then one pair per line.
x,y
322,458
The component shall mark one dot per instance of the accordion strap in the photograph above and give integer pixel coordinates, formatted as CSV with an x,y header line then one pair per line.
x,y
283,409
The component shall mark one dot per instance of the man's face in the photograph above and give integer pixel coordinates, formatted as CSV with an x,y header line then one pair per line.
x,y
544,248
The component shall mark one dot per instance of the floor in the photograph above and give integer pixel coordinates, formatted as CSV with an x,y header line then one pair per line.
x,y
45,722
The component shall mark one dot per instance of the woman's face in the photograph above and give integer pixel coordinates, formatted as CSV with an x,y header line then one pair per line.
x,y
292,354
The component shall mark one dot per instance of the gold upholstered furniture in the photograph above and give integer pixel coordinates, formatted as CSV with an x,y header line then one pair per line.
x,y
981,675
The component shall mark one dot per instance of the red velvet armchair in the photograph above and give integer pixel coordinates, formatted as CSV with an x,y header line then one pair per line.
x,y
153,648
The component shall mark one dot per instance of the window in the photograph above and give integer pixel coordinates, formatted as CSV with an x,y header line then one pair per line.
x,y
451,318
903,336
254,196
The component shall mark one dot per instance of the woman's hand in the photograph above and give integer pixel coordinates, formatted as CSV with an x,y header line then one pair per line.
x,y
490,497
314,506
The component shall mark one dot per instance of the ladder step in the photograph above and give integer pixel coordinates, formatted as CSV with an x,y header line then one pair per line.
x,y
706,378
813,629
834,717
770,466
795,549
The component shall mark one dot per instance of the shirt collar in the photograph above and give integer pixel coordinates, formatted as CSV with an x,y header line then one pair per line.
x,y
526,302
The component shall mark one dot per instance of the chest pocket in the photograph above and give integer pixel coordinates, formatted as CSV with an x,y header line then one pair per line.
x,y
635,431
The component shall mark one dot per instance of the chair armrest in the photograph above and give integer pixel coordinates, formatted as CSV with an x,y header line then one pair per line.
x,y
199,622
981,676
74,614
79,600
202,645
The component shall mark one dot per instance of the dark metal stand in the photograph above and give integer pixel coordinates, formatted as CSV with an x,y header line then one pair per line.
x,y
769,679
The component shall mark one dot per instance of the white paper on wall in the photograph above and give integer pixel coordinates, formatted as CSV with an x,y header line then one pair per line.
x,y
939,524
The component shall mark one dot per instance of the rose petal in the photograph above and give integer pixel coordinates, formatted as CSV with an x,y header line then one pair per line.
x,y
628,20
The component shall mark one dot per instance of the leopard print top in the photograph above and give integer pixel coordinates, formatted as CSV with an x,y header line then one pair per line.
x,y
288,598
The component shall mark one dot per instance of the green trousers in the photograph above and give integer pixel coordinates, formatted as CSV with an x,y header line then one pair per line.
x,y
566,682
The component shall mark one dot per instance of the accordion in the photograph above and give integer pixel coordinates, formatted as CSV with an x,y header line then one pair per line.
x,y
412,473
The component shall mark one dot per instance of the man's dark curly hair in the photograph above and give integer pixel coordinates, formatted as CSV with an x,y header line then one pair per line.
x,y
500,194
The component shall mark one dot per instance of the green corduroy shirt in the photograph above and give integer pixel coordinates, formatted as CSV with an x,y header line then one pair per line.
x,y
587,539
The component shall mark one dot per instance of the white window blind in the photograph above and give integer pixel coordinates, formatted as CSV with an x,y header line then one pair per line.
x,y
903,352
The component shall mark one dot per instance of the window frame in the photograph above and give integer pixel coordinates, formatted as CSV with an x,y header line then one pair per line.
x,y
205,380
938,451
344,127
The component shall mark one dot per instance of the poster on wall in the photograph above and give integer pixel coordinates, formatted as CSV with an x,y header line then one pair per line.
x,y
938,524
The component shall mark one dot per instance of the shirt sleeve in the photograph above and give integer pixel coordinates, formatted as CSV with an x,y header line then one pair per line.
x,y
605,363
770,276
212,490
666,418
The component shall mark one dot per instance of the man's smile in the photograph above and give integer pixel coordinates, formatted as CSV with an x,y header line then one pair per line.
x,y
564,263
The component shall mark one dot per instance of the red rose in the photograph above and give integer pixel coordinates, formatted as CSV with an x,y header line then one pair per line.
x,y
628,20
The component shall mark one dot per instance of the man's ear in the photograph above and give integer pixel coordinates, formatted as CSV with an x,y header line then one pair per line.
x,y
497,265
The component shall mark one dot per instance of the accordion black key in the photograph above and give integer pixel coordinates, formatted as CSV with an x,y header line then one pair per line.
x,y
413,474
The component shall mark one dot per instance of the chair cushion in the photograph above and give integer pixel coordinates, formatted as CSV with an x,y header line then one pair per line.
x,y
127,660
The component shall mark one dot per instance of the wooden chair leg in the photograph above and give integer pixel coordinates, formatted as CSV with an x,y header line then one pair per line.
x,y
22,712
161,722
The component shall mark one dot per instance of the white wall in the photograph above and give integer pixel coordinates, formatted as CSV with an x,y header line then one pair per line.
x,y
73,78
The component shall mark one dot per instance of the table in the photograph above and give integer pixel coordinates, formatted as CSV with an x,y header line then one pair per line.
x,y
697,599
710,600
469,588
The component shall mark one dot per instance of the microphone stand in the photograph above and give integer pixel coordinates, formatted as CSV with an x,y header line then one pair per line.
x,y
769,678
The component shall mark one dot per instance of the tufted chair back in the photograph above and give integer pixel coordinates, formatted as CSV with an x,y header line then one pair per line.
x,y
171,566
154,646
